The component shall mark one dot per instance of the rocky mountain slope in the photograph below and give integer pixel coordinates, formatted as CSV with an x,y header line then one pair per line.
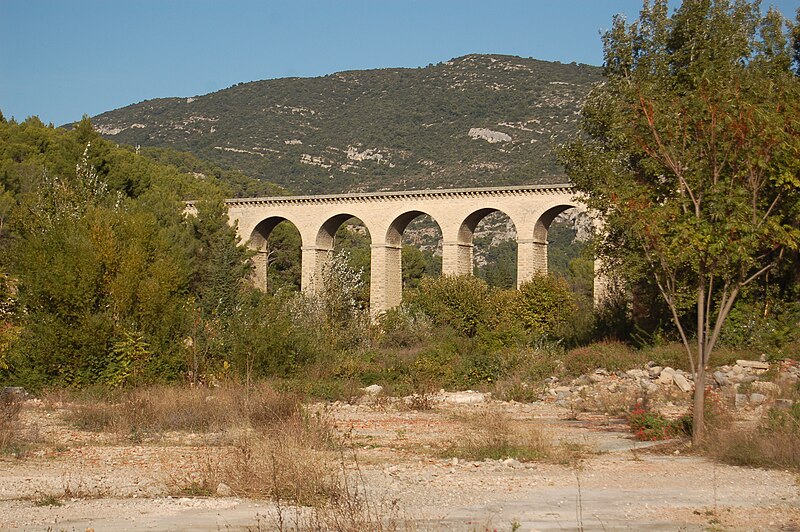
x,y
478,120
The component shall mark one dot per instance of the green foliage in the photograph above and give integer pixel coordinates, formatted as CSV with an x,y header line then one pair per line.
x,y
756,324
501,265
405,327
104,263
613,356
461,302
284,257
128,354
544,304
261,339
689,152
417,120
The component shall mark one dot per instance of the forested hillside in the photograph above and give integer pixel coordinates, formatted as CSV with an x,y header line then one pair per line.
x,y
478,120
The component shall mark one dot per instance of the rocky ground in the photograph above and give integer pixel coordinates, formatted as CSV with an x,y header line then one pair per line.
x,y
77,480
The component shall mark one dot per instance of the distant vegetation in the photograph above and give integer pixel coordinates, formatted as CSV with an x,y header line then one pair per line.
x,y
376,129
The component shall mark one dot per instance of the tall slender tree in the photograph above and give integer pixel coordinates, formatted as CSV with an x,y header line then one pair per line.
x,y
690,151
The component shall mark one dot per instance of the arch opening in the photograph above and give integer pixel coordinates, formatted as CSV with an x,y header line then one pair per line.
x,y
419,238
277,263
568,251
495,250
486,243
346,238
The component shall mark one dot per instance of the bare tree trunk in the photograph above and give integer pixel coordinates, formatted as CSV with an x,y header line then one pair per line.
x,y
698,421
699,370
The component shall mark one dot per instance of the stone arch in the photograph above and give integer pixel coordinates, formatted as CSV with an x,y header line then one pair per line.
x,y
259,237
494,250
315,256
387,271
532,247
546,218
458,256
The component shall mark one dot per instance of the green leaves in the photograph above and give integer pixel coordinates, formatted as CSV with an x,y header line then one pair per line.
x,y
690,150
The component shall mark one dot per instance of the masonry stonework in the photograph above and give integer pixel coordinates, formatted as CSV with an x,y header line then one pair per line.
x,y
387,214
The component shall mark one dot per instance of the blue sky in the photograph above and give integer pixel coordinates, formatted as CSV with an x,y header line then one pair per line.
x,y
60,59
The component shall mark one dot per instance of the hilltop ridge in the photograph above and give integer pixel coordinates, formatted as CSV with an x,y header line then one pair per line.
x,y
477,120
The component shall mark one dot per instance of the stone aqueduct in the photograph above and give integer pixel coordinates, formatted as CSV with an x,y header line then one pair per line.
x,y
387,214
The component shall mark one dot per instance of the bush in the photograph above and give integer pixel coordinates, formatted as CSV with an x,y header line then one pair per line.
x,y
611,355
647,425
544,304
460,302
404,327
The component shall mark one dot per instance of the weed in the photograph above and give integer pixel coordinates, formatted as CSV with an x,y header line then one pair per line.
x,y
10,407
772,442
157,409
290,459
46,499
492,437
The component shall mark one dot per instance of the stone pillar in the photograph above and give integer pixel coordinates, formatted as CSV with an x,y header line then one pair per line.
x,y
601,284
386,278
456,258
259,275
313,259
531,259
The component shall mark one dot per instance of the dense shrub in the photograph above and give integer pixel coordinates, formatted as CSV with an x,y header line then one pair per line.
x,y
611,355
460,302
544,304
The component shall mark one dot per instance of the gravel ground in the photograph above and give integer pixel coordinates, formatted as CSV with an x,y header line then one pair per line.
x,y
620,484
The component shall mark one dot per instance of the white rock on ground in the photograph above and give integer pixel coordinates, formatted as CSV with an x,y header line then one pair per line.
x,y
681,382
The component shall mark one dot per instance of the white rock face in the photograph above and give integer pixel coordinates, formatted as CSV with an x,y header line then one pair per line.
x,y
488,135
367,155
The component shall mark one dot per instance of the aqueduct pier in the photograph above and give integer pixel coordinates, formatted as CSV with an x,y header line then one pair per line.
x,y
387,214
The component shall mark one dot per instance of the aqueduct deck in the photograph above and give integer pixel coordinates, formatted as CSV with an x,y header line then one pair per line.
x,y
387,214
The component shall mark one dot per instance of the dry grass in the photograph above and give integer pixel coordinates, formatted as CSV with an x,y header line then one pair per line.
x,y
10,406
157,409
774,441
292,459
493,436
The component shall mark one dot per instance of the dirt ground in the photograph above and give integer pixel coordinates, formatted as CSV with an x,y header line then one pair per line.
x,y
619,484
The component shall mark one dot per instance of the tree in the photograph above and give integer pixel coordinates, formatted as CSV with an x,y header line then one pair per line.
x,y
690,151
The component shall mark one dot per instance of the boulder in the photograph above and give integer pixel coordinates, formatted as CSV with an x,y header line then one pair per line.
x,y
373,389
767,388
223,490
465,398
648,386
665,377
783,404
720,378
637,373
654,371
14,393
752,364
682,383
740,400
757,398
